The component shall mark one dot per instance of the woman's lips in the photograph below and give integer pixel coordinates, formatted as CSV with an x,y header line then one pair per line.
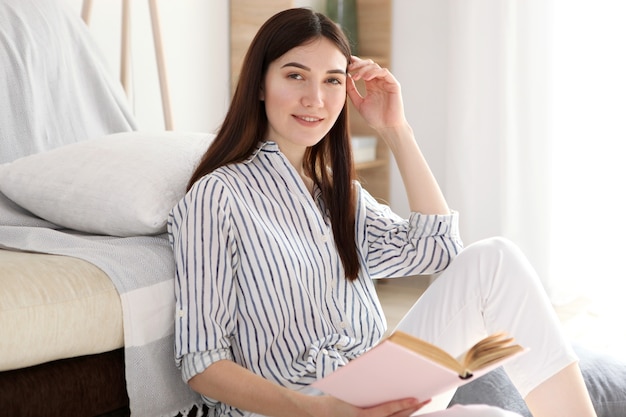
x,y
308,120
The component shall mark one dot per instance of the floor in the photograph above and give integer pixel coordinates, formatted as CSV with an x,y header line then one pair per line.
x,y
582,322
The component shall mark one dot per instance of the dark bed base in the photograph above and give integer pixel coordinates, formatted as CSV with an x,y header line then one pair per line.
x,y
91,385
85,386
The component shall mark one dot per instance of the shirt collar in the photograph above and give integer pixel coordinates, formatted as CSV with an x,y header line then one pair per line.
x,y
265,146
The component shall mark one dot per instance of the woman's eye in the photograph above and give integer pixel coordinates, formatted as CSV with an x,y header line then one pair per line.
x,y
335,81
295,76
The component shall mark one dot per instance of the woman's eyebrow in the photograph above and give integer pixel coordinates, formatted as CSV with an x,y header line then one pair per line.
x,y
304,67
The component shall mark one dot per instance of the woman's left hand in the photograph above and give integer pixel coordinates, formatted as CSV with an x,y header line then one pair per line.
x,y
381,106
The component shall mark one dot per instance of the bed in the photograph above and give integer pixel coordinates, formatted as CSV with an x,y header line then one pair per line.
x,y
86,271
86,301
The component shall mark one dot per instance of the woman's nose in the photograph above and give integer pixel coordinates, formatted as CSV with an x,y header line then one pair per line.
x,y
313,97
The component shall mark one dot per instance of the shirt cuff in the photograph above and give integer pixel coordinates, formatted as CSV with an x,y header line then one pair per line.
x,y
435,224
195,363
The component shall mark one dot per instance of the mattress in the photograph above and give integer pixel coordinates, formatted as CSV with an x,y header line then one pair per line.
x,y
54,307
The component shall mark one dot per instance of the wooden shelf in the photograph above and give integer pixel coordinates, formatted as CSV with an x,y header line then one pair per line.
x,y
246,17
374,19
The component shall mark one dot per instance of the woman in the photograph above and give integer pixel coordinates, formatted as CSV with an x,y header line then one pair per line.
x,y
276,246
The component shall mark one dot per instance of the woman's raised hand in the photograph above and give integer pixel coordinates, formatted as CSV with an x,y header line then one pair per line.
x,y
381,106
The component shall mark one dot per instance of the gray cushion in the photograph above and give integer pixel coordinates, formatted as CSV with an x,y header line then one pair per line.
x,y
605,377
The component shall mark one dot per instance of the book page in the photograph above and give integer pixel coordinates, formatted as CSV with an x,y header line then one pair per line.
x,y
389,372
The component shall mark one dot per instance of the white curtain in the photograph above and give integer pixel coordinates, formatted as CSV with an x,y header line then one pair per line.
x,y
497,170
589,139
537,134
478,106
588,133
529,141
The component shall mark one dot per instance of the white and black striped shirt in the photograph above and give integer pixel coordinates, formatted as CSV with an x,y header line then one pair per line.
x,y
259,280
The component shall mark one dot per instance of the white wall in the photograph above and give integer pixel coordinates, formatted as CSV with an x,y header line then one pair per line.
x,y
420,54
195,38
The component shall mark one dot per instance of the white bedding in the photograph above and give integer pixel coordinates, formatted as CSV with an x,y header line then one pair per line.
x,y
142,270
56,87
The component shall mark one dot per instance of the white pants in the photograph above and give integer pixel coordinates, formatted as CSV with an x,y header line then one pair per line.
x,y
491,287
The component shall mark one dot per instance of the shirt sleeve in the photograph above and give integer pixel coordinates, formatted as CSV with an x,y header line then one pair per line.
x,y
204,253
393,246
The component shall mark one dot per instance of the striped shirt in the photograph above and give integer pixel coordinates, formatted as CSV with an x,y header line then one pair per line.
x,y
259,280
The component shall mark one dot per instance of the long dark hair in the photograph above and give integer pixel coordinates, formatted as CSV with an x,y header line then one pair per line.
x,y
329,162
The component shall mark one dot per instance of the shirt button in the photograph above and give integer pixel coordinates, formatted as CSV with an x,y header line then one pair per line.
x,y
181,313
324,238
343,324
324,351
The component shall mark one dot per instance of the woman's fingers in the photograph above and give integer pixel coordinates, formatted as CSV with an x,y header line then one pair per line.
x,y
353,93
398,408
365,69
368,70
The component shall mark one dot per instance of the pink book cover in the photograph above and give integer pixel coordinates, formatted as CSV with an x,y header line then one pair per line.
x,y
390,371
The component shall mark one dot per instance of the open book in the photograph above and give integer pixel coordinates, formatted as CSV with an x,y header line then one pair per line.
x,y
403,366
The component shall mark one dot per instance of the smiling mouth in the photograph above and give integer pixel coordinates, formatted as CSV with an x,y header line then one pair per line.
x,y
308,119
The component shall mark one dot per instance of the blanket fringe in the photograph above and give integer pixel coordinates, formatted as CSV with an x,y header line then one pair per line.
x,y
194,411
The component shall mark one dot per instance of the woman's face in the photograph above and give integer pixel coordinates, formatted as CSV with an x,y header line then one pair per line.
x,y
304,92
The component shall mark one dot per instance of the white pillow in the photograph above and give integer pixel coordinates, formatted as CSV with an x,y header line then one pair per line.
x,y
122,184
